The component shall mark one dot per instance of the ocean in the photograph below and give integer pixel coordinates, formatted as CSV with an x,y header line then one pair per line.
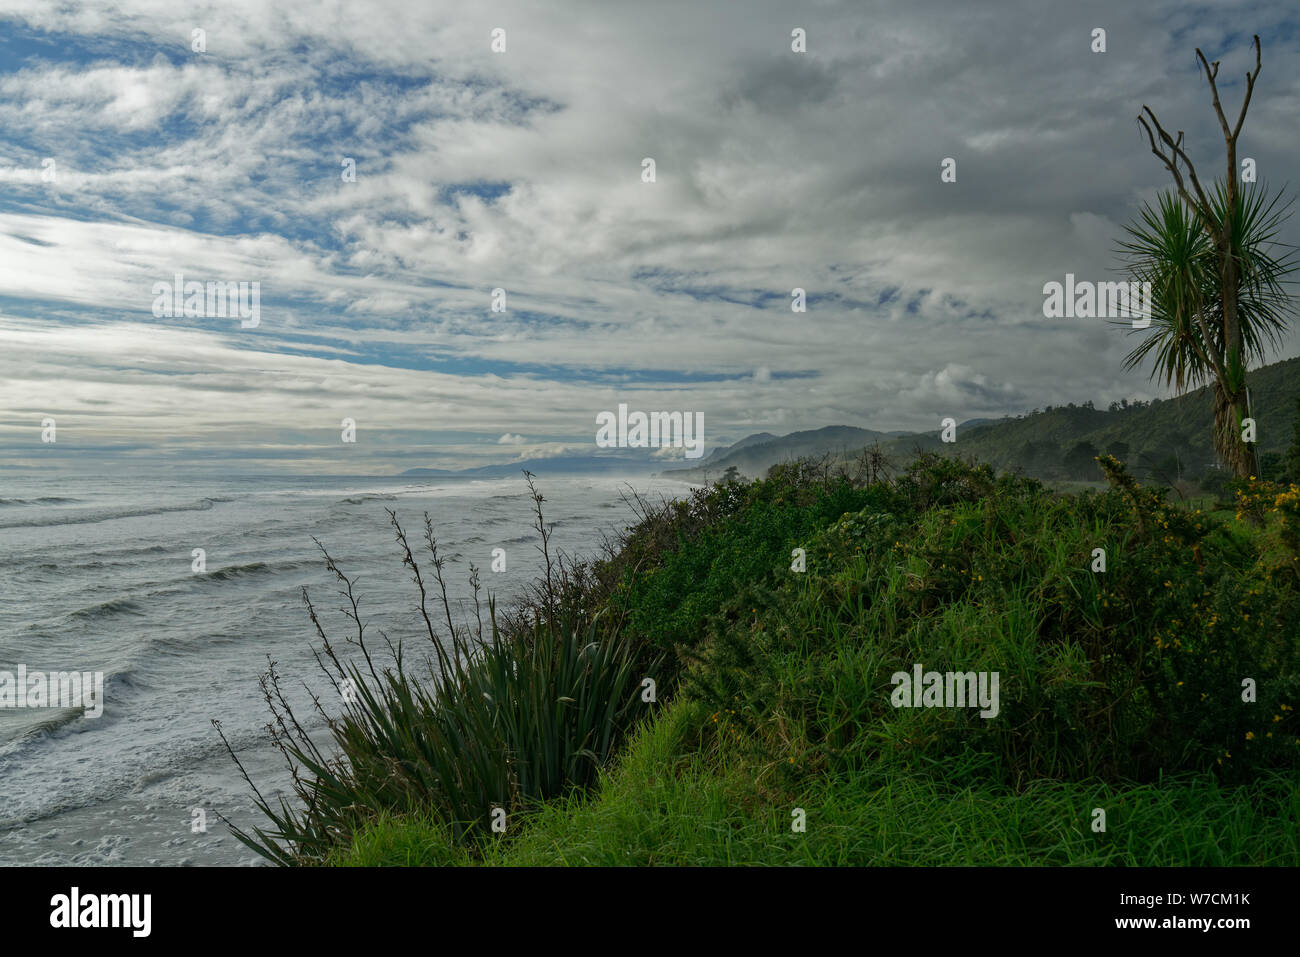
x,y
98,575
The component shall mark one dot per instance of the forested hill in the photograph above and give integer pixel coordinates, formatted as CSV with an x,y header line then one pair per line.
x,y
1167,438
1170,437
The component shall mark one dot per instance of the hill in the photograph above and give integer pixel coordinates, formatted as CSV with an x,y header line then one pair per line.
x,y
1162,440
1165,439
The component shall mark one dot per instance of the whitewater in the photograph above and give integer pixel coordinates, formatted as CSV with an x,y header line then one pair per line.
x,y
97,574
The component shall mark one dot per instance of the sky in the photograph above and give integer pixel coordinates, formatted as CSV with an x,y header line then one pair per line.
x,y
133,148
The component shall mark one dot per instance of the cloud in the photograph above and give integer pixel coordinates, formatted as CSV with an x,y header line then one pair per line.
x,y
959,388
522,171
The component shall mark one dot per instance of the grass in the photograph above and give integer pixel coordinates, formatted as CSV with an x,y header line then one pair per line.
x,y
661,806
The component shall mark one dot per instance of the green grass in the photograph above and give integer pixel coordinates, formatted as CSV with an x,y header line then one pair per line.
x,y
410,841
666,806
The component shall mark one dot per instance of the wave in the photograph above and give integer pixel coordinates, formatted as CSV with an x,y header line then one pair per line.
x,y
236,571
360,499
57,718
255,568
100,784
107,609
108,515
111,560
44,500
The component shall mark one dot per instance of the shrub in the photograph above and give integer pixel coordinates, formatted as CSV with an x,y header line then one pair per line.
x,y
1126,674
528,714
676,588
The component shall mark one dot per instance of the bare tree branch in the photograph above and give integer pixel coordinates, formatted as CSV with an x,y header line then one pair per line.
x,y
1250,90
1171,163
1214,92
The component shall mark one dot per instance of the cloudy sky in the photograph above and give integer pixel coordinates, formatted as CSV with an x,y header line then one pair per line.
x,y
128,156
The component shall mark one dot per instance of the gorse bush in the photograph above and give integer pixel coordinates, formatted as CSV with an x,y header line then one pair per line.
x,y
670,595
1125,674
525,715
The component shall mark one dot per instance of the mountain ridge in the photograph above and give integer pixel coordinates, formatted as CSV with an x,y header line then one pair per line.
x,y
1163,437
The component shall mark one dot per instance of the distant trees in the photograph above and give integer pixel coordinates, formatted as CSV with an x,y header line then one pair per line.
x,y
1272,467
1039,457
1080,460
1291,460
1217,276
1124,405
1168,457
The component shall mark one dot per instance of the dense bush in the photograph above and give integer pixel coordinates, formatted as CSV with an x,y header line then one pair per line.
x,y
669,597
1123,674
